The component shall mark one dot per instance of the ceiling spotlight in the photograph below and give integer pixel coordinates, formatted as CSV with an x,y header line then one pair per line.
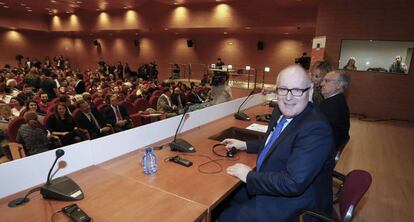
x,y
5,6
79,2
286,33
248,27
225,33
165,29
29,10
53,1
23,4
2,3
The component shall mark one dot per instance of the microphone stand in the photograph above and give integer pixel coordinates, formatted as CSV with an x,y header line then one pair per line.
x,y
241,115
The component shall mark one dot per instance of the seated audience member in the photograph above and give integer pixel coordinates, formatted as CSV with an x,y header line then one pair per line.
x,y
165,105
26,94
62,124
334,106
116,115
92,121
5,113
178,99
11,87
67,101
295,159
317,72
44,102
194,97
32,136
17,106
31,105
80,86
48,85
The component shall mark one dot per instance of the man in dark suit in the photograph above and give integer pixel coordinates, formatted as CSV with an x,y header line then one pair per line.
x,y
80,84
295,161
116,115
334,105
92,121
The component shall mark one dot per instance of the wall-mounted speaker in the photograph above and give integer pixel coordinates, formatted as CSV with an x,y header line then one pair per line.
x,y
260,45
95,42
190,43
136,42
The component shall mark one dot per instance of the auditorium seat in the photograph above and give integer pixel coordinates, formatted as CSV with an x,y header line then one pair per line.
x,y
153,102
355,185
16,149
98,101
141,104
129,107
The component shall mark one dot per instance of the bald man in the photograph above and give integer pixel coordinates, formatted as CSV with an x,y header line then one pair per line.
x,y
334,106
294,164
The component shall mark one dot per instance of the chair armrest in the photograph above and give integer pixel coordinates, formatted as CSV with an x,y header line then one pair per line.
x,y
339,176
17,151
316,214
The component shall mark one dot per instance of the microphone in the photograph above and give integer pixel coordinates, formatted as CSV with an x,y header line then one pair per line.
x,y
61,188
180,144
59,154
241,115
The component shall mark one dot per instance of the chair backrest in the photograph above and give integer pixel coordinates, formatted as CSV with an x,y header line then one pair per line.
x,y
132,96
355,186
130,108
101,107
75,113
153,102
340,148
13,127
157,92
47,118
98,101
141,104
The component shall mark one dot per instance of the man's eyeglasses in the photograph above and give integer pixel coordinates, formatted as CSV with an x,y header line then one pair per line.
x,y
330,80
295,92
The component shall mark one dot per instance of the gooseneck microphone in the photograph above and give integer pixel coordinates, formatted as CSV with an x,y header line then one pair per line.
x,y
180,144
61,188
59,154
241,115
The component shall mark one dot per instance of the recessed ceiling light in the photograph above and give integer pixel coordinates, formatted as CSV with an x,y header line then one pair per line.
x,y
79,2
230,43
176,3
53,1
177,33
286,33
98,9
5,6
29,10
165,29
225,33
23,4
248,27
2,3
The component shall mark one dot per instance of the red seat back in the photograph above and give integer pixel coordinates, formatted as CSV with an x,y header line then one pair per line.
x,y
13,127
129,107
141,104
153,102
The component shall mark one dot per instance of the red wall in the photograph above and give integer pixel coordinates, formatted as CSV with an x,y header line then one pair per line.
x,y
279,51
374,94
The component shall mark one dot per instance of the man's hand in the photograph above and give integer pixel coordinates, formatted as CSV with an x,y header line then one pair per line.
x,y
239,170
106,129
238,144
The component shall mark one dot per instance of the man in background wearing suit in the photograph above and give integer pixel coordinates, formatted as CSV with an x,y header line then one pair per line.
x,y
295,161
116,115
334,106
80,84
91,121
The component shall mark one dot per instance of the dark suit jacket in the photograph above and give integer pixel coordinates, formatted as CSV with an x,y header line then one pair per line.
x,y
336,111
297,171
80,87
110,117
84,123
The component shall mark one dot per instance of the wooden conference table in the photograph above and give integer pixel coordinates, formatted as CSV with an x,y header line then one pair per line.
x,y
117,190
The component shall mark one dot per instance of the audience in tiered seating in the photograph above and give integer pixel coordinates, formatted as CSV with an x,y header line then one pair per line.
x,y
75,106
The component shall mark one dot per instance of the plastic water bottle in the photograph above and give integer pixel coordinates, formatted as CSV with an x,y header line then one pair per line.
x,y
149,161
